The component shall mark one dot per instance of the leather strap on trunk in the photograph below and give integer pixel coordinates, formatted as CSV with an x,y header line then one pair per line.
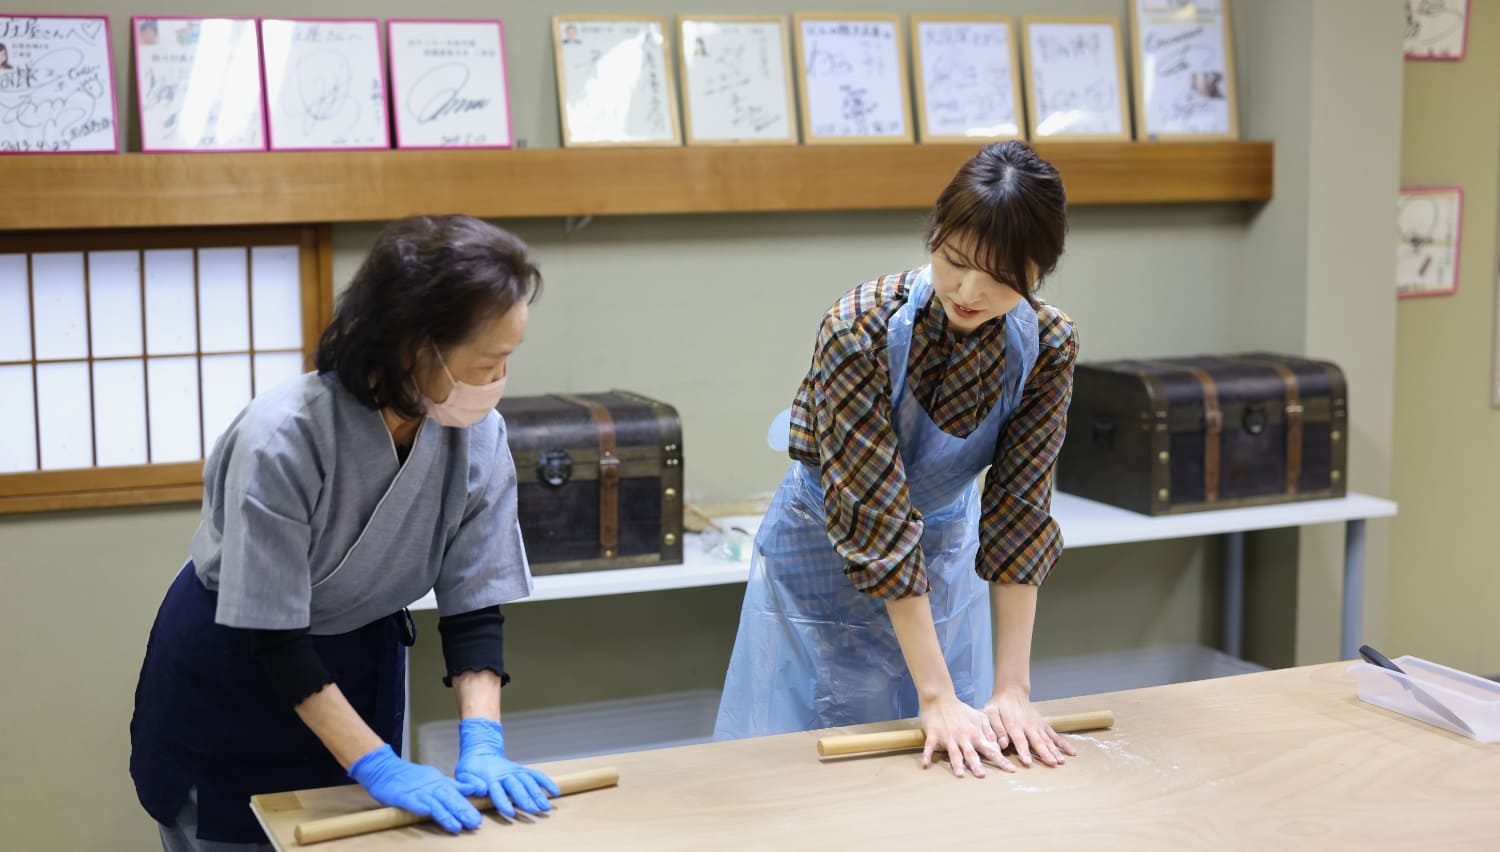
x,y
1213,425
1293,419
609,475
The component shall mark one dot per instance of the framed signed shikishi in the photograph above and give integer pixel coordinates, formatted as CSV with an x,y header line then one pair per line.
x,y
448,85
615,81
736,80
1184,70
1429,235
1436,29
1075,79
57,85
198,84
325,84
967,78
851,77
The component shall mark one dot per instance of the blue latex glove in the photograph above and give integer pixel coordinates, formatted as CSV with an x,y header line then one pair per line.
x,y
410,786
483,770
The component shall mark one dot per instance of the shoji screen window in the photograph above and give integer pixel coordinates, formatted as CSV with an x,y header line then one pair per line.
x,y
123,357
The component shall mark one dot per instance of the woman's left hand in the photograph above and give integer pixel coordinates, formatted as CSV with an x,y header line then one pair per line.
x,y
1016,721
484,770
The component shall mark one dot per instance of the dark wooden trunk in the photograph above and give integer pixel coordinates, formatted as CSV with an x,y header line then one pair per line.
x,y
1171,435
600,480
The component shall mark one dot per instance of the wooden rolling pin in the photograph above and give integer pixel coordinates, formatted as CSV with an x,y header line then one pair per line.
x,y
888,741
380,819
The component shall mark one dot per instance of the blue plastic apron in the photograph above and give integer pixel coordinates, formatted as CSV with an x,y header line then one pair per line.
x,y
207,716
814,652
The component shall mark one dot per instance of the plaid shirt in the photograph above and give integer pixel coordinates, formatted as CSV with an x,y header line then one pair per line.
x,y
841,423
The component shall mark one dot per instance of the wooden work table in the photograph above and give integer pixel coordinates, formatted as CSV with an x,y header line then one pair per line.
x,y
1283,760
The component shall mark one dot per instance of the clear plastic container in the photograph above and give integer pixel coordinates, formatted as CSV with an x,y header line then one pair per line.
x,y
1427,689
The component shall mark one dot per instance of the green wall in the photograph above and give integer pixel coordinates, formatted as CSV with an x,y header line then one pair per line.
x,y
1447,475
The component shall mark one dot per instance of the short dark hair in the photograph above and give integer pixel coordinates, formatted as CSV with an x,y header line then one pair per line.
x,y
1011,202
427,279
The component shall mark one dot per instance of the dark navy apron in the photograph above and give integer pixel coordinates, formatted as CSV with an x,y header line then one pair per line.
x,y
206,715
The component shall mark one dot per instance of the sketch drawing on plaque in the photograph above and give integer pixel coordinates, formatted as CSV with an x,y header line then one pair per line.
x,y
1429,234
736,80
1075,79
325,84
1184,70
448,85
1437,29
57,85
198,84
967,80
615,84
851,76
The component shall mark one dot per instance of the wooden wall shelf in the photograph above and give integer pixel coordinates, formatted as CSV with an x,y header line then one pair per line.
x,y
172,190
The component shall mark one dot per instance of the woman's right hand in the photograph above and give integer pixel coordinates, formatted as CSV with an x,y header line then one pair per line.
x,y
420,789
962,731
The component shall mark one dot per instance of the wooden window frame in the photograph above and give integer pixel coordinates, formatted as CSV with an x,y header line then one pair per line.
x,y
173,482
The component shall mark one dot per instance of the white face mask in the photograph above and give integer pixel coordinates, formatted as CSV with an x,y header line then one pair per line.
x,y
466,404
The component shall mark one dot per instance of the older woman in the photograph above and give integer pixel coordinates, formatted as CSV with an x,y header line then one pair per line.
x,y
333,501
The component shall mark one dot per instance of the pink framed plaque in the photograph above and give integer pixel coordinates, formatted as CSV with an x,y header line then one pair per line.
x,y
198,84
448,83
57,85
324,84
1429,240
